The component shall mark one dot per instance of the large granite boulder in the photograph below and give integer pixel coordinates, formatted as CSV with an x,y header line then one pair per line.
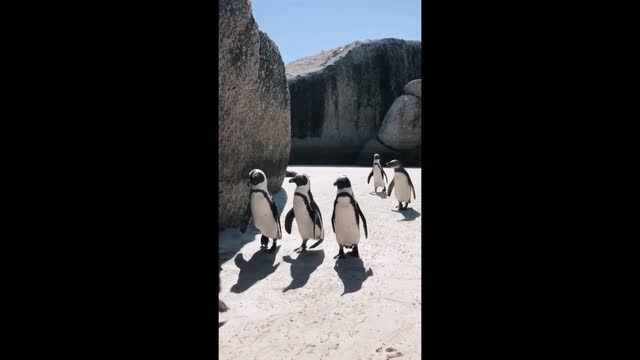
x,y
402,126
399,136
414,87
254,114
339,97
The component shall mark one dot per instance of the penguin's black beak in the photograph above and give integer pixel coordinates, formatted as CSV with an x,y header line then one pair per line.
x,y
291,180
335,183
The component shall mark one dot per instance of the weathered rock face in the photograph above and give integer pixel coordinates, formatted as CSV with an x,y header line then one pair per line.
x,y
340,97
409,158
414,87
402,126
254,111
399,136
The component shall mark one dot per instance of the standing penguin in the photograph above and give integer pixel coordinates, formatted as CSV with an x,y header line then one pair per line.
x,y
403,184
306,212
346,218
379,177
263,209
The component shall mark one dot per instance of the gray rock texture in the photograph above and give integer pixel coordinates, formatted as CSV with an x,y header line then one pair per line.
x,y
254,111
402,125
374,146
409,158
414,87
339,97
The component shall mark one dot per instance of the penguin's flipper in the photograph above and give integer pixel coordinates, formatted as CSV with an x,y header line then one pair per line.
x,y
317,214
391,187
364,221
370,175
333,216
276,216
288,220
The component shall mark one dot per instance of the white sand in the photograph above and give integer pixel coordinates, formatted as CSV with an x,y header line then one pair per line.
x,y
291,306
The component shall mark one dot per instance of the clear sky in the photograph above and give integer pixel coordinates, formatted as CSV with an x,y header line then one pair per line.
x,y
305,27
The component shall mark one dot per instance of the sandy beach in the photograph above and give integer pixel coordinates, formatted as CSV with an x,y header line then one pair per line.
x,y
311,306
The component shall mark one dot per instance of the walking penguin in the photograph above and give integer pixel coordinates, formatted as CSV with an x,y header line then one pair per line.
x,y
263,210
379,177
306,212
346,218
402,183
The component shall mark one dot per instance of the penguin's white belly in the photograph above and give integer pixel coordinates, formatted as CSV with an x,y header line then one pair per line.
x,y
263,217
401,188
378,181
347,230
304,221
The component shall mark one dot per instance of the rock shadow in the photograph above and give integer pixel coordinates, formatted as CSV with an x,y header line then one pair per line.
x,y
302,267
409,214
257,268
231,241
351,271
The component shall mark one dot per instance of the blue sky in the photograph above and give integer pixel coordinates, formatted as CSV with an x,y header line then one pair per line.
x,y
305,27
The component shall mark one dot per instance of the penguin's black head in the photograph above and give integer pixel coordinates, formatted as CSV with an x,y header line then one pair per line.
x,y
376,157
299,180
256,177
394,164
342,182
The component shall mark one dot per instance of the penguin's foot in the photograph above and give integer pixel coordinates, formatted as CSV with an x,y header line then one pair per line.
x,y
384,189
354,252
302,248
317,243
273,247
340,254
264,241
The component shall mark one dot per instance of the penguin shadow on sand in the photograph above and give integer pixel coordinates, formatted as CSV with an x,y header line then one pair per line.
x,y
351,271
257,268
229,245
302,267
409,214
381,195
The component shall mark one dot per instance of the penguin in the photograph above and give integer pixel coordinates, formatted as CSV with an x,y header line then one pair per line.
x,y
306,212
379,177
403,184
346,218
263,210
